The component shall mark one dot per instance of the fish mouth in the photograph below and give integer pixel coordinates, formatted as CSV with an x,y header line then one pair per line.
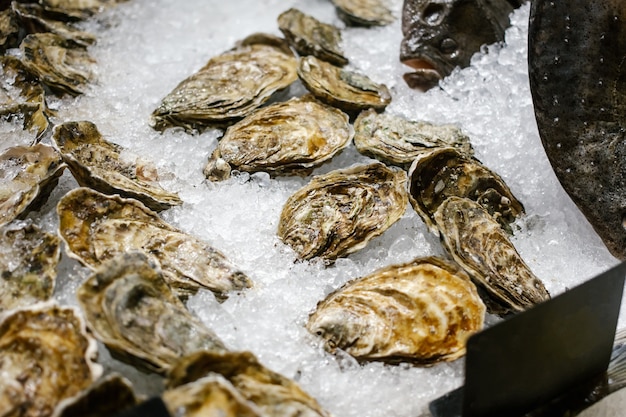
x,y
425,76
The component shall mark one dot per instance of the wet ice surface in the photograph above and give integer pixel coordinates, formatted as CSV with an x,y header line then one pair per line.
x,y
146,48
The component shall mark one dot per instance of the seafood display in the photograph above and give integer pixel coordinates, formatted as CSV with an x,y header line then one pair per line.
x,y
579,96
96,227
290,137
340,212
421,312
363,12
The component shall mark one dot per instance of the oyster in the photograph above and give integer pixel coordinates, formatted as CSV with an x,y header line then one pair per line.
x,y
131,309
9,30
97,227
444,172
28,261
274,394
62,65
21,95
341,88
309,36
211,395
338,213
27,176
398,141
46,357
98,164
480,245
227,88
282,138
77,9
363,12
422,312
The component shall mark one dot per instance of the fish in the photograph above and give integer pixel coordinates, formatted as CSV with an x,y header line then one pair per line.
x,y
576,58
440,35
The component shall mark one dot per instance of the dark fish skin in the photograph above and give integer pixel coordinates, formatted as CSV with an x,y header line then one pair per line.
x,y
576,59
439,35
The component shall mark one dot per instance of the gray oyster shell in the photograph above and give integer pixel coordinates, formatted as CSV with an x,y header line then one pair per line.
x,y
444,172
131,309
338,213
229,87
9,30
98,164
345,89
363,12
421,312
398,141
290,137
28,262
27,176
309,36
77,9
274,394
47,356
478,243
96,227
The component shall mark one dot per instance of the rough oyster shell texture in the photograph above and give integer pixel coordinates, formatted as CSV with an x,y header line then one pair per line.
x,y
28,262
443,172
338,213
398,141
131,309
480,245
77,9
227,88
97,227
27,176
46,357
309,36
99,164
345,89
274,394
421,312
282,138
363,12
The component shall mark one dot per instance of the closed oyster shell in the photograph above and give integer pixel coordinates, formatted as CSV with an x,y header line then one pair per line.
x,y
131,309
28,261
445,172
421,312
398,141
62,65
309,36
342,88
338,213
27,176
481,246
9,30
77,9
97,227
47,356
98,164
274,394
229,87
282,138
363,12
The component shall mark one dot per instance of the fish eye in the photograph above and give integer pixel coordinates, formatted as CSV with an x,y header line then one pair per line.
x,y
433,13
448,46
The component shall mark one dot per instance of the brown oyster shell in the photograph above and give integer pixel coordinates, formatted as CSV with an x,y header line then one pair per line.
x,y
97,227
28,262
309,36
98,164
77,9
338,213
290,137
398,141
363,12
421,312
47,356
27,176
131,309
9,30
444,172
480,245
342,88
62,65
229,87
271,392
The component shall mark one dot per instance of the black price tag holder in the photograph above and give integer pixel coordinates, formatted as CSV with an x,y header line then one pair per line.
x,y
543,361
